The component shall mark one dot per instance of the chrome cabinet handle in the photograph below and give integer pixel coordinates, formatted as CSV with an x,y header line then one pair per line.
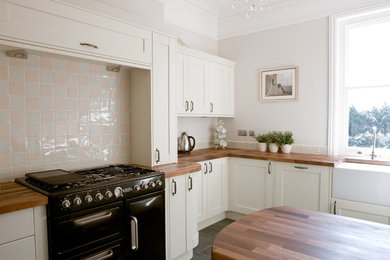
x,y
211,107
158,155
190,183
134,233
334,208
174,188
301,167
192,106
211,167
187,106
205,168
100,256
92,218
89,45
269,168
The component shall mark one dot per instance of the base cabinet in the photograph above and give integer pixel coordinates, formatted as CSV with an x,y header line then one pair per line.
x,y
182,235
359,210
302,186
212,194
251,185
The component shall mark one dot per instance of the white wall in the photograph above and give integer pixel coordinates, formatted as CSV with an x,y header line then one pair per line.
x,y
202,129
304,45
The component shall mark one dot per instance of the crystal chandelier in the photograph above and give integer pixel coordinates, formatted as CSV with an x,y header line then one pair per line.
x,y
251,6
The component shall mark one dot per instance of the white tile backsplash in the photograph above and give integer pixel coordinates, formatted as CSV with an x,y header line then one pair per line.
x,y
61,113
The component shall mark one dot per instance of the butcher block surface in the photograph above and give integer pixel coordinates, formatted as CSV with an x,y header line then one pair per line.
x,y
16,197
290,233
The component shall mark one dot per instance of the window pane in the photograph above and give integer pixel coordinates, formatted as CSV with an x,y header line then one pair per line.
x,y
368,55
369,107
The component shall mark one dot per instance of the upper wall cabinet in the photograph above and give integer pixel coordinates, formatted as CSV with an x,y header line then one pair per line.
x,y
60,28
204,84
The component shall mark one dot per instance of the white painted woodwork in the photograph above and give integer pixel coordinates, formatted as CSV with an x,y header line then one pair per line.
x,y
153,107
221,90
201,194
197,85
182,83
16,225
60,28
302,186
40,228
191,208
18,249
359,210
251,185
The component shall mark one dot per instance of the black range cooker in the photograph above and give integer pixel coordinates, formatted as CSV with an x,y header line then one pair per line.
x,y
113,212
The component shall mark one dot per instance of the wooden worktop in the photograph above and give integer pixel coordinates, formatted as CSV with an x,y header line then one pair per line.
x,y
289,233
14,196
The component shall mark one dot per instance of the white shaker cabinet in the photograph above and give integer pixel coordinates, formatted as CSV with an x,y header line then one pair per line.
x,y
302,186
182,233
61,28
153,107
213,193
251,185
221,90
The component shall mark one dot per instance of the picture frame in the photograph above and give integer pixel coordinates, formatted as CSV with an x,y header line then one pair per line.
x,y
279,84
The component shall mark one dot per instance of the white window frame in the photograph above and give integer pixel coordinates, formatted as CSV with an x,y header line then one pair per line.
x,y
338,116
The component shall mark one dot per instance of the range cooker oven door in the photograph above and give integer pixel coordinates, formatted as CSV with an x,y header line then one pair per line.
x,y
85,230
110,251
146,223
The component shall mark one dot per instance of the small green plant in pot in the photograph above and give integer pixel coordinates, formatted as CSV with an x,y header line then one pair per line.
x,y
273,140
286,141
262,142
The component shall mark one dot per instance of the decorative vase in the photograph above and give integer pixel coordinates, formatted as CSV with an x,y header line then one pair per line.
x,y
273,148
286,148
262,147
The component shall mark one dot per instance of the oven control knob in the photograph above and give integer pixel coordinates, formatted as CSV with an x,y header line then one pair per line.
x,y
118,192
152,185
65,204
77,201
108,194
136,188
159,183
88,198
99,196
144,186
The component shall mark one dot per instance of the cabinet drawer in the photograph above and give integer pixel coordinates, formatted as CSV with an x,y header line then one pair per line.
x,y
20,249
15,225
38,26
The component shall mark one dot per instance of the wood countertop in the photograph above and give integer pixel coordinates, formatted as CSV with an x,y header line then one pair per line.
x,y
289,233
14,196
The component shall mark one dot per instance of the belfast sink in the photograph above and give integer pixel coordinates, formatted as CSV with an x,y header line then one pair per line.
x,y
362,182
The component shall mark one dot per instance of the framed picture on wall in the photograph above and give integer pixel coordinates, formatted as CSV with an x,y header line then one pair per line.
x,y
278,84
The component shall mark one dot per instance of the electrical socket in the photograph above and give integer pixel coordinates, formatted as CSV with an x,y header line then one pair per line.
x,y
242,133
251,133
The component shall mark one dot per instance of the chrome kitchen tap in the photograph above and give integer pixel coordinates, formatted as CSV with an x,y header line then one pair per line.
x,y
373,143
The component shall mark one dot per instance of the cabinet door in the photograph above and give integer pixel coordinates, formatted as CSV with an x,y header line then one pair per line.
x,y
198,85
183,103
251,185
19,249
221,90
163,101
216,187
200,185
176,190
302,186
364,211
192,216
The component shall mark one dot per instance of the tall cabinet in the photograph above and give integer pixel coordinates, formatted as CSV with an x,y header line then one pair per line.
x,y
153,107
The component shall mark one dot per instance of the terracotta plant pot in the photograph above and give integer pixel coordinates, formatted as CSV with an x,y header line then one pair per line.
x,y
286,148
273,148
262,147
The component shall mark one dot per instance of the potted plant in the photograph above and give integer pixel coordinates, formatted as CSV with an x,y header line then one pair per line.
x,y
262,142
272,140
285,142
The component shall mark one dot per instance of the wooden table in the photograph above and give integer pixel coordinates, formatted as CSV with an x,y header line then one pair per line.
x,y
289,233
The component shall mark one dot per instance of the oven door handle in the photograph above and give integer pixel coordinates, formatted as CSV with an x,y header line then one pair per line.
x,y
100,256
92,218
134,233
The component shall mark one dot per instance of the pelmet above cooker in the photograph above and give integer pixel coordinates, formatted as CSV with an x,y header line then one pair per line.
x,y
113,212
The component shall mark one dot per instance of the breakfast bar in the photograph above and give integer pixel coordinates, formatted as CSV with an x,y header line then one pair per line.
x,y
285,232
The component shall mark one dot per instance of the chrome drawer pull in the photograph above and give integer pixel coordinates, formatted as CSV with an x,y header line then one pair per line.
x,y
92,218
269,168
192,106
100,256
190,183
211,167
174,187
301,167
134,233
89,45
205,168
187,106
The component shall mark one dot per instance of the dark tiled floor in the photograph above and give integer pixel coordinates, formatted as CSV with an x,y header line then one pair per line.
x,y
206,238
